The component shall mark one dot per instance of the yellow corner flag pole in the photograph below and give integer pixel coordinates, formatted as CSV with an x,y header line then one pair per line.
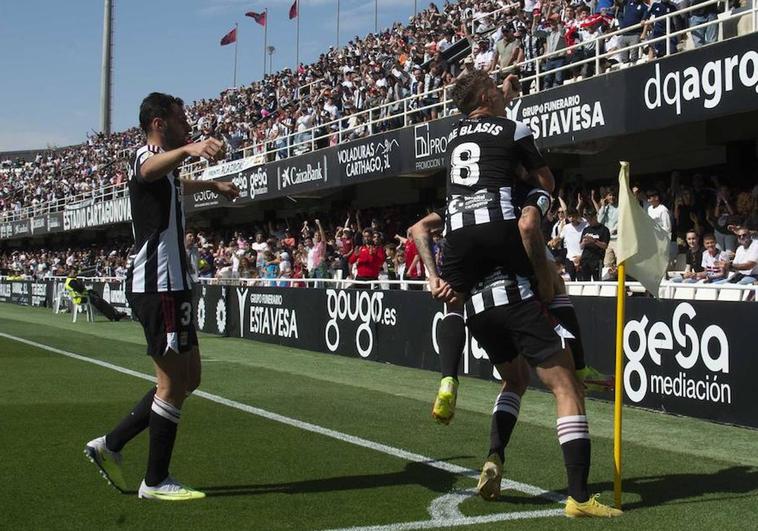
x,y
620,297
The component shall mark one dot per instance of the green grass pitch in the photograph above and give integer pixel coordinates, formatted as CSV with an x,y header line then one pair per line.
x,y
288,439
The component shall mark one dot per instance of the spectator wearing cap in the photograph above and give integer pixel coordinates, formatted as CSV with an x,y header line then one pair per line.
x,y
594,242
468,67
508,52
484,58
745,264
633,12
555,42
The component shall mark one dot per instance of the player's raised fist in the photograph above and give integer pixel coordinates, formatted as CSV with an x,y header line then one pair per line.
x,y
228,190
209,149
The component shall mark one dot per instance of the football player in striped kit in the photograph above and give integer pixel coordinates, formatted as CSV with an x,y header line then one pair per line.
x,y
492,258
159,291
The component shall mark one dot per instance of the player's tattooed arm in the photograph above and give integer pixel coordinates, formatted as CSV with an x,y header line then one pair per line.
x,y
534,244
421,233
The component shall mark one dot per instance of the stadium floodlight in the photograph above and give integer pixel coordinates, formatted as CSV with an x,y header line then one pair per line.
x,y
106,68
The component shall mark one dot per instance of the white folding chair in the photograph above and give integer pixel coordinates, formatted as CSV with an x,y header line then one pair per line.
x,y
85,307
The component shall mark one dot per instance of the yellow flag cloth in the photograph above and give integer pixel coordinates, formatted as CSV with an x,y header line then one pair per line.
x,y
643,246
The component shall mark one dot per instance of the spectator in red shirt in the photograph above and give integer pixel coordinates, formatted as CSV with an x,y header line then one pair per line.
x,y
414,270
368,257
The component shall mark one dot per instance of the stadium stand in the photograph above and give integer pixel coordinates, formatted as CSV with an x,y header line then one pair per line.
x,y
392,79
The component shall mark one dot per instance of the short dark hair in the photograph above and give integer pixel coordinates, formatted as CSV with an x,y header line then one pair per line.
x,y
467,91
156,105
590,212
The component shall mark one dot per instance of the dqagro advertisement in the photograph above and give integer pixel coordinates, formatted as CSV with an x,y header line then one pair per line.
x,y
714,81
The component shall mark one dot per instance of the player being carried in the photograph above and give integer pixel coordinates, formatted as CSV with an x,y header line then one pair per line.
x,y
494,263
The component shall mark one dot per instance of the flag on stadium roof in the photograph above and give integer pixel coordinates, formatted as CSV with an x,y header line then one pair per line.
x,y
643,246
293,10
229,38
260,18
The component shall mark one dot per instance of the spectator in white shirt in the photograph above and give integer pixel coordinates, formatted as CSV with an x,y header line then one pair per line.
x,y
745,264
484,57
714,261
658,211
572,237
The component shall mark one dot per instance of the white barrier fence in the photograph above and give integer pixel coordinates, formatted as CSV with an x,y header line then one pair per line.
x,y
668,289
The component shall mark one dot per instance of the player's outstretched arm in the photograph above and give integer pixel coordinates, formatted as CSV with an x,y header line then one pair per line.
x,y
160,164
228,190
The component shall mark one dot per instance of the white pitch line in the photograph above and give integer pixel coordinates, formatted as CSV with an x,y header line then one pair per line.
x,y
457,522
314,428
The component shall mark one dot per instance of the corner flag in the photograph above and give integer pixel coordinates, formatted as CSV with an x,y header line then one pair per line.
x,y
643,246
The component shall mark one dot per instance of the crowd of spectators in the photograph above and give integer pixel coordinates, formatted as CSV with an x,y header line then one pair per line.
x,y
704,217
70,174
697,212
364,245
320,104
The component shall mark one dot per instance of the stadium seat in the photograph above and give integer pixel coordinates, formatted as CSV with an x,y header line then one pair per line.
x,y
574,289
684,293
85,307
706,294
591,290
730,295
607,290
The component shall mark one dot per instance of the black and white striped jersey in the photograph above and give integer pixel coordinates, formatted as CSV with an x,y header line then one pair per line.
x,y
484,157
160,262
497,289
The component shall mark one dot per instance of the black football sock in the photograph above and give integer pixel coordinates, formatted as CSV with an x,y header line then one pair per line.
x,y
451,338
504,417
564,311
574,436
131,425
164,420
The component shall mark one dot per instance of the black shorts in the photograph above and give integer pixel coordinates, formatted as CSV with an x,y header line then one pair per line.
x,y
471,253
523,328
168,320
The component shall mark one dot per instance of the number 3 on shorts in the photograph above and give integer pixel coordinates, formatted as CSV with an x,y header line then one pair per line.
x,y
186,313
465,158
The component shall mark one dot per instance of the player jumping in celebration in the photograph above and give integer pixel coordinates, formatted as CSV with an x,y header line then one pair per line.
x,y
159,291
451,335
487,265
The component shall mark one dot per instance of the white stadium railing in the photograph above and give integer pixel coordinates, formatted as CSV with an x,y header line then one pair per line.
x,y
111,191
667,290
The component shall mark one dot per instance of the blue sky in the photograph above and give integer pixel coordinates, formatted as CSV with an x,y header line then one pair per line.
x,y
50,55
